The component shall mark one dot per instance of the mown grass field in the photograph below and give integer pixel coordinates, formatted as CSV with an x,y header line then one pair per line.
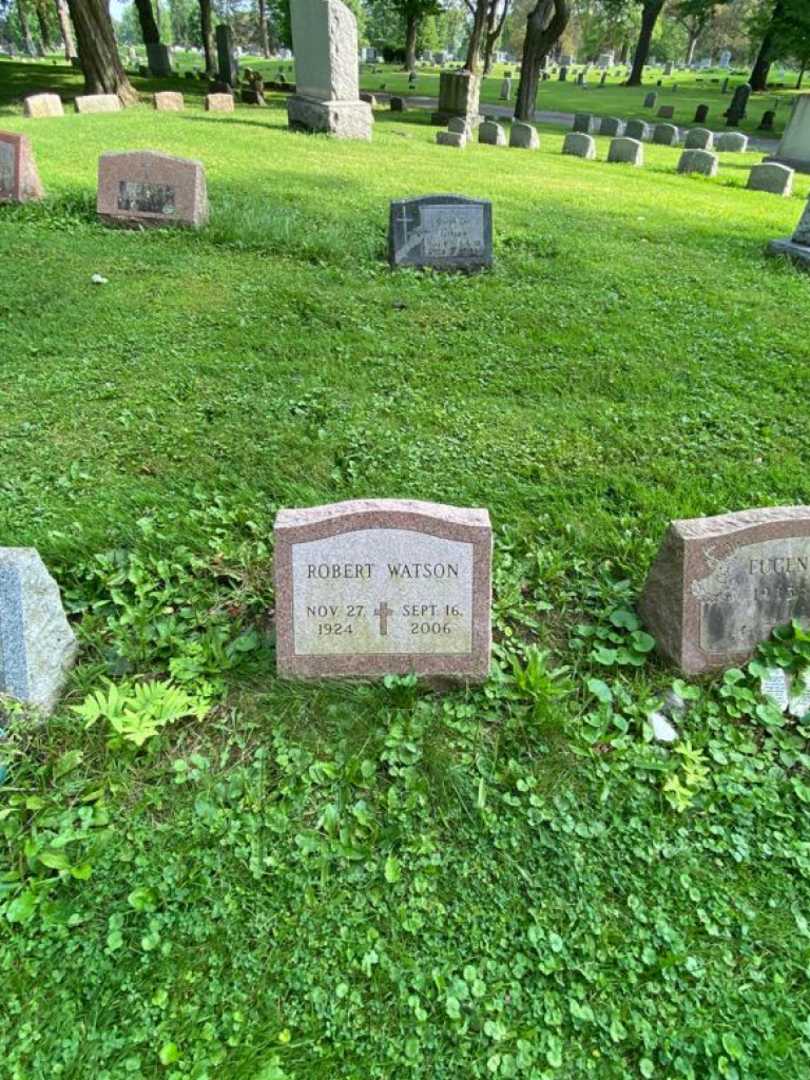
x,y
389,880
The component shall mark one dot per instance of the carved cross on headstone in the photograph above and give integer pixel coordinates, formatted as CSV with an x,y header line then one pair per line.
x,y
382,613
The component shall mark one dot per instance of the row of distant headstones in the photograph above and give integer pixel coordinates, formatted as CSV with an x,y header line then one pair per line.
x,y
697,156
40,106
379,586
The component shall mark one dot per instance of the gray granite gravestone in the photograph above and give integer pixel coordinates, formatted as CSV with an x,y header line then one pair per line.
x,y
626,151
772,177
698,161
720,585
524,136
733,142
699,139
611,125
637,129
446,232
327,90
578,144
383,586
37,645
796,247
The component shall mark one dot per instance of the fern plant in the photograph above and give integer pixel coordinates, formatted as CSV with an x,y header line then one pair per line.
x,y
136,711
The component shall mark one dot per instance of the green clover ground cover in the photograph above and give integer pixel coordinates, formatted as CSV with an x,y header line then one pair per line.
x,y
395,880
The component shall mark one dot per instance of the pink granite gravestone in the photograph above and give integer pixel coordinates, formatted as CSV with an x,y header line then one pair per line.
x,y
98,103
40,105
720,585
19,180
383,586
143,187
169,101
219,102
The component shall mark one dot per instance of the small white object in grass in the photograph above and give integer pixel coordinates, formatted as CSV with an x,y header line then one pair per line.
x,y
800,696
97,279
661,727
774,684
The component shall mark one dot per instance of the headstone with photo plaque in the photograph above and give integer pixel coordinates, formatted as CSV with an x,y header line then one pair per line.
x,y
143,187
720,585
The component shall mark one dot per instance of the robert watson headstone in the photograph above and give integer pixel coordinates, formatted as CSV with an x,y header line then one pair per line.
x,y
327,90
19,179
142,187
445,232
383,586
719,585
37,645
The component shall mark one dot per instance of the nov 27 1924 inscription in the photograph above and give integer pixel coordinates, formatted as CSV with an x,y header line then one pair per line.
x,y
720,585
445,232
383,586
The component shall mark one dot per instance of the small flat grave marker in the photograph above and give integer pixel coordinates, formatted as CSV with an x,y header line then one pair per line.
x,y
38,106
383,586
169,101
720,585
19,180
146,188
446,232
98,103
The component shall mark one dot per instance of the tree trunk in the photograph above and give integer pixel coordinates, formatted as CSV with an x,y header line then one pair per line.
x,y
207,28
762,64
44,29
66,28
28,41
691,46
544,27
801,75
98,51
411,30
264,37
149,27
473,61
649,17
495,21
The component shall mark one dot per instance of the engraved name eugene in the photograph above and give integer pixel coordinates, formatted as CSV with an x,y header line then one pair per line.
x,y
751,591
420,603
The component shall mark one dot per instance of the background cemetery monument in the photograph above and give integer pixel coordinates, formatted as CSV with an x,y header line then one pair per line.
x,y
794,147
720,585
327,97
383,586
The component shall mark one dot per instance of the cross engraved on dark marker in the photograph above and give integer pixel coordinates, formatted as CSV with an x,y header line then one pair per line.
x,y
382,613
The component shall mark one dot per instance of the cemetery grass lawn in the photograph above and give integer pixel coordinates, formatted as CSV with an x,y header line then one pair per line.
x,y
391,880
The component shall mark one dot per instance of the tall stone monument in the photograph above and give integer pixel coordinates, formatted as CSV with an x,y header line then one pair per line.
x,y
794,149
383,586
327,97
37,645
459,95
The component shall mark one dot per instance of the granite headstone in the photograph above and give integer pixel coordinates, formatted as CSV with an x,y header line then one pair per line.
x,y
383,586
